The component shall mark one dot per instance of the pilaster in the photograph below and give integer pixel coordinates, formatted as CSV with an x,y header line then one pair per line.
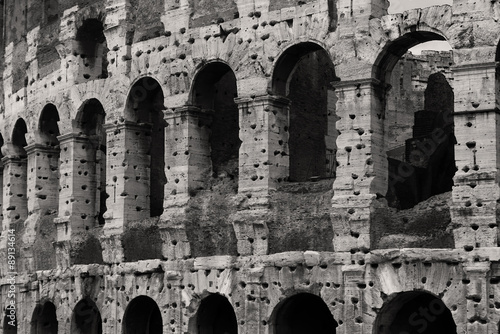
x,y
477,156
362,170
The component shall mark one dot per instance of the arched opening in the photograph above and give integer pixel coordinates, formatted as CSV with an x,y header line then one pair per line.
x,y
44,319
216,316
17,206
142,316
145,108
415,312
418,104
10,322
45,185
92,158
49,129
303,74
19,137
92,50
303,313
214,91
86,318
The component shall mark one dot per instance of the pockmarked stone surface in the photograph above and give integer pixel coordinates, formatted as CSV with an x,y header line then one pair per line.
x,y
248,166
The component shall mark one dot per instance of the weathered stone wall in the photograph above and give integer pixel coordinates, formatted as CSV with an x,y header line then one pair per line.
x,y
252,237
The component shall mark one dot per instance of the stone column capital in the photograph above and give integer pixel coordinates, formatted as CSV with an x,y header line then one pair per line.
x,y
477,269
189,110
72,137
360,84
34,148
275,100
128,125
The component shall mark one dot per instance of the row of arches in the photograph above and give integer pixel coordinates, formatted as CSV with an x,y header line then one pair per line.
x,y
80,158
302,313
303,74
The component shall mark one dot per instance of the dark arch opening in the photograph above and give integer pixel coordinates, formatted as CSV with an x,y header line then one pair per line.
x,y
17,188
86,318
394,50
214,91
49,129
145,107
415,312
216,316
92,49
19,137
10,322
303,74
44,320
304,313
418,104
142,316
90,123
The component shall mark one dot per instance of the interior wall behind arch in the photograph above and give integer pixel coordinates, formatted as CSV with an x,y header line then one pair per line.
x,y
311,142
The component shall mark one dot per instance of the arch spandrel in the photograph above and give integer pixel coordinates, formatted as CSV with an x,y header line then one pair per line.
x,y
111,93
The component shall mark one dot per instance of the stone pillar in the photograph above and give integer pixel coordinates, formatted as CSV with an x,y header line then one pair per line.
x,y
477,297
477,156
77,183
353,296
15,206
128,166
362,172
119,30
263,160
77,196
263,164
187,155
187,167
43,177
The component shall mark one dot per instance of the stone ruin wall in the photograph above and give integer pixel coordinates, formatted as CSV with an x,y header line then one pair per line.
x,y
100,217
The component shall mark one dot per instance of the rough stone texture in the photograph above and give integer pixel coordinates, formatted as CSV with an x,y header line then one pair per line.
x,y
116,209
426,225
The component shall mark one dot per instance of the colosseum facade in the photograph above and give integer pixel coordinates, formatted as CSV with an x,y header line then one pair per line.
x,y
249,166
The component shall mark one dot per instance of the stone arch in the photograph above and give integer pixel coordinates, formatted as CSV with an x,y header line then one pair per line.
x,y
418,125
89,125
414,312
302,313
44,319
18,137
144,108
143,88
86,318
142,316
48,127
303,73
43,183
92,49
213,91
393,50
105,91
215,315
16,173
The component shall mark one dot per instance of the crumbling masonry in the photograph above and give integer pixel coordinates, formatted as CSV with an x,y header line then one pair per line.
x,y
249,166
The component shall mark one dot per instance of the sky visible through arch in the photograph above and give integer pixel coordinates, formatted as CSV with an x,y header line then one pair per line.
x,y
399,6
